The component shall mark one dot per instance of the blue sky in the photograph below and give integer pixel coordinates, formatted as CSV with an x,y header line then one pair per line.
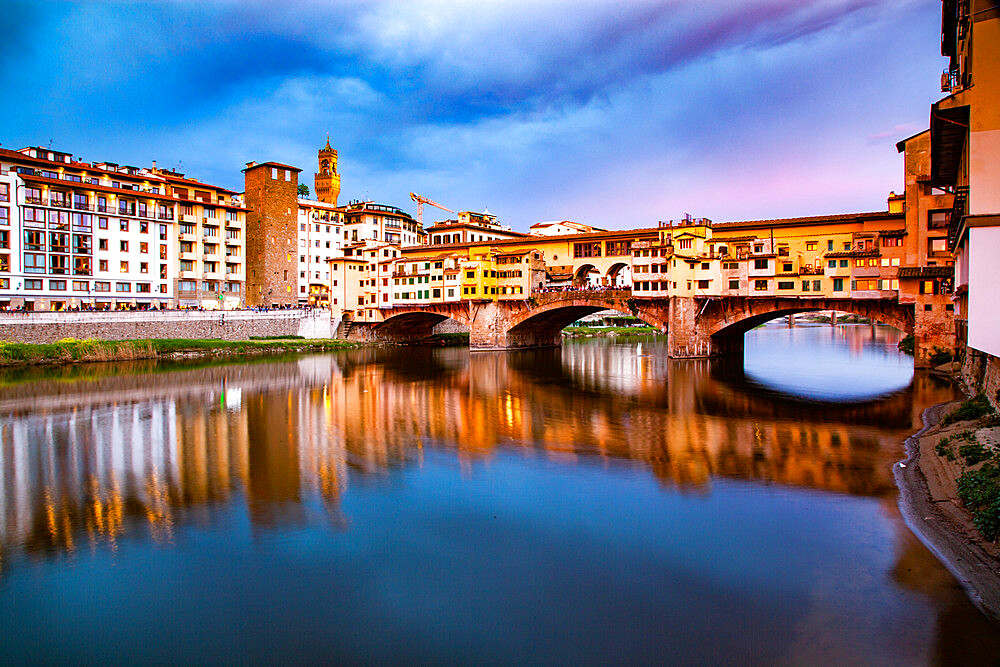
x,y
617,114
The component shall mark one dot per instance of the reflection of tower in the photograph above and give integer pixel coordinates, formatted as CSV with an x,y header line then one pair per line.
x,y
328,179
273,456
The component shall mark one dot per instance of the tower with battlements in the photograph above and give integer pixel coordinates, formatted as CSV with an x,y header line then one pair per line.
x,y
328,179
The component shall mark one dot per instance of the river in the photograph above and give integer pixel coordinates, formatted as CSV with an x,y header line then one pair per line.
x,y
598,503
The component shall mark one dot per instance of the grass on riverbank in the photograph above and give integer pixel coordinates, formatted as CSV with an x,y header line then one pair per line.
x,y
77,351
612,331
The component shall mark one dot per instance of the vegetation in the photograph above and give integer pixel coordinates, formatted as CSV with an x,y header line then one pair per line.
x,y
906,344
303,190
974,408
288,337
939,356
979,491
598,331
458,339
72,351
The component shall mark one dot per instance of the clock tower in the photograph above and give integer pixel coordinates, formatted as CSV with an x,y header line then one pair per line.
x,y
328,179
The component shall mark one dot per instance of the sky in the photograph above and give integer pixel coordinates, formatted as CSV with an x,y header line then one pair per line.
x,y
614,114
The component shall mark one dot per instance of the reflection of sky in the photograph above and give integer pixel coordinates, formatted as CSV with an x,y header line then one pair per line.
x,y
843,363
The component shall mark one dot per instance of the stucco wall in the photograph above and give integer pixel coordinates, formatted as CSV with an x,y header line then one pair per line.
x,y
227,325
984,286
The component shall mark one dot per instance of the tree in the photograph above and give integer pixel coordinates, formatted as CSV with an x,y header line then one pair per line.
x,y
303,190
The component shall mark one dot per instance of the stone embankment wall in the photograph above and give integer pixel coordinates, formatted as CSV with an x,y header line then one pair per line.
x,y
981,373
227,325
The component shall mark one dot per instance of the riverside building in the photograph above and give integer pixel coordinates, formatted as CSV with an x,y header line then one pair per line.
x,y
106,236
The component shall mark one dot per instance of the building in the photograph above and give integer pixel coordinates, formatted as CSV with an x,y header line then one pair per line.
x,y
320,239
368,221
272,220
327,180
965,163
558,227
101,235
470,227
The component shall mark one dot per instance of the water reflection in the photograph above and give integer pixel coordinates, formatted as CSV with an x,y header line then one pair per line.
x,y
94,461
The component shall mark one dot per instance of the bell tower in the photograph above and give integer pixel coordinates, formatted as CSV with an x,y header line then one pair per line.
x,y
328,179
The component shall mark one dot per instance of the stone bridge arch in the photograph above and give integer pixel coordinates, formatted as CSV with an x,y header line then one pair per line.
x,y
543,323
406,325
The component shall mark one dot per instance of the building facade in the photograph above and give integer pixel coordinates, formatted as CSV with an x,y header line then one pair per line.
x,y
103,236
271,196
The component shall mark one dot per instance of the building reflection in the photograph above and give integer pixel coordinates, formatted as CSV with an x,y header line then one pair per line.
x,y
88,462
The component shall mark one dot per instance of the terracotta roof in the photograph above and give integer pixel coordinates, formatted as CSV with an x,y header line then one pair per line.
x,y
778,222
892,232
926,272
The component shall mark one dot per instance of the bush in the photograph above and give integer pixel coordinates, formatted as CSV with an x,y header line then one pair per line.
x,y
939,356
987,521
974,453
943,449
974,408
978,488
906,345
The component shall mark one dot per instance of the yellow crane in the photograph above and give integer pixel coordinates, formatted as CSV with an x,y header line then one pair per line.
x,y
420,206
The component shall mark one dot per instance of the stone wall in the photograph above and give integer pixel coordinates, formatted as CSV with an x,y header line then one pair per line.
x,y
981,373
227,325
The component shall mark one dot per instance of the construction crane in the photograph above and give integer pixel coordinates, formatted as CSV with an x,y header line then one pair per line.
x,y
420,206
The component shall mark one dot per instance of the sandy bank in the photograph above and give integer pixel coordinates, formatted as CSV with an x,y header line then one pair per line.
x,y
928,500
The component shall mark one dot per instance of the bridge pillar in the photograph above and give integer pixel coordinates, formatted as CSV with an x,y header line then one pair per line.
x,y
685,339
489,330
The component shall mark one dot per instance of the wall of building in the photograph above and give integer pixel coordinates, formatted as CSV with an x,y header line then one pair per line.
x,y
271,194
227,325
984,316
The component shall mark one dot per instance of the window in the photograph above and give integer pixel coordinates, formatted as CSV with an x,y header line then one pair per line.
x,y
123,246
760,285
34,240
123,267
684,244
703,284
81,266
123,287
937,245
142,287
144,247
5,262
102,223
838,284
34,263
32,284
59,264
468,274
185,286
101,286
786,267
57,285
844,263
805,285
831,263
892,241
810,245
102,265
81,286
704,265
102,244
760,263
143,267
786,284
937,219
734,284
4,192
817,285
587,249
4,215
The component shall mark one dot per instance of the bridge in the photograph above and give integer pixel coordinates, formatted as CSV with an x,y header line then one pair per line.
x,y
696,327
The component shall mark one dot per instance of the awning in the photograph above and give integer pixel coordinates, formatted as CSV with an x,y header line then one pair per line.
x,y
949,129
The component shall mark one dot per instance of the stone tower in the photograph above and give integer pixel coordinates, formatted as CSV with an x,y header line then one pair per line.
x,y
328,179
272,234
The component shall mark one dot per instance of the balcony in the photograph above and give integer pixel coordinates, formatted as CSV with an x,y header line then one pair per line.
x,y
233,241
82,206
188,274
59,203
188,255
187,236
234,276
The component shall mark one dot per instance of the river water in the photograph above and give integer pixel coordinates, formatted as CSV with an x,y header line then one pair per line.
x,y
598,503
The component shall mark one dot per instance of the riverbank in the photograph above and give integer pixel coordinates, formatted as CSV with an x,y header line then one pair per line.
x,y
581,332
930,503
72,351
